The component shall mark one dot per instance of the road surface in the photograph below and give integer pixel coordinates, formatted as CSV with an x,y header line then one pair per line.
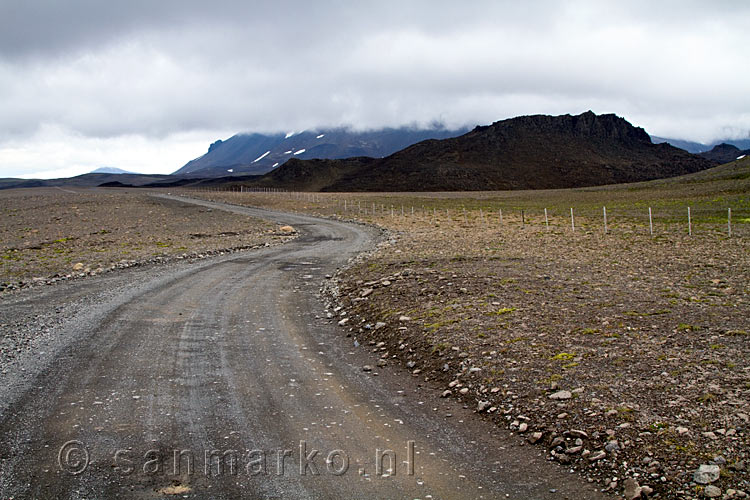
x,y
223,378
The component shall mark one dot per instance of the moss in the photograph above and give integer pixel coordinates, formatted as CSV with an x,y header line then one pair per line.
x,y
563,356
502,311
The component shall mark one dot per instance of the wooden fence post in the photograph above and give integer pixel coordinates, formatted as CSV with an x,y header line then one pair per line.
x,y
729,222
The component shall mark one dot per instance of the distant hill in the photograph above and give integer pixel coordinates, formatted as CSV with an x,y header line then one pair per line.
x,y
86,180
255,154
724,153
527,152
110,170
697,147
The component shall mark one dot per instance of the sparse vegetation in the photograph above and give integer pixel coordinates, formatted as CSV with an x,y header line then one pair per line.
x,y
653,327
52,230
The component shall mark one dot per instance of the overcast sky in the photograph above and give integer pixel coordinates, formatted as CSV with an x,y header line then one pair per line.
x,y
147,85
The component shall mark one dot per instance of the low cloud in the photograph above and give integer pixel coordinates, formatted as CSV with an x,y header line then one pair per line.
x,y
154,73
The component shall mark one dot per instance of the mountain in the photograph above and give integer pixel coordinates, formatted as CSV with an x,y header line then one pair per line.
x,y
724,153
697,147
689,146
87,180
527,152
110,170
257,153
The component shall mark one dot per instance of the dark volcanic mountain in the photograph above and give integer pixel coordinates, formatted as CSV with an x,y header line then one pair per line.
x,y
528,152
256,154
724,153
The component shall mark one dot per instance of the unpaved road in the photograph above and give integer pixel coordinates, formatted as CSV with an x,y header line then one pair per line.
x,y
147,371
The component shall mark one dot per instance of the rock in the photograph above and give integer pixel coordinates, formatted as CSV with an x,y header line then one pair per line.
x,y
597,455
410,364
646,490
559,395
78,266
557,442
464,390
343,321
404,318
738,466
379,325
286,229
632,489
446,393
483,405
712,491
535,437
367,368
365,292
523,427
706,474
578,434
682,431
381,363
612,446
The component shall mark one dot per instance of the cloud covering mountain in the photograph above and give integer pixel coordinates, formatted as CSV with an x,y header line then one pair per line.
x,y
175,74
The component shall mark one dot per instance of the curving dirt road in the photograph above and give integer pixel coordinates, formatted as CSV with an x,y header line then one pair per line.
x,y
223,378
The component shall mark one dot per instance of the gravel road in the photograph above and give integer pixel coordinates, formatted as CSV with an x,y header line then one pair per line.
x,y
223,378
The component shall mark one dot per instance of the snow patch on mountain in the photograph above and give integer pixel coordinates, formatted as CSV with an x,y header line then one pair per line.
x,y
261,156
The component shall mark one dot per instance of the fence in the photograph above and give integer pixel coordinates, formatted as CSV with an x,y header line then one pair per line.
x,y
656,218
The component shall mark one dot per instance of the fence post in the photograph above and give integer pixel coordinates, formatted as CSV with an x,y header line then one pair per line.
x,y
501,216
605,219
729,222
650,222
572,220
546,219
690,224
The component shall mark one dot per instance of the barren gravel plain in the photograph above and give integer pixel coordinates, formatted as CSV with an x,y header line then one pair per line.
x,y
54,232
225,376
624,355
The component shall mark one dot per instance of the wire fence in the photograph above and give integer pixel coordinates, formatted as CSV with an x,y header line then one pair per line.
x,y
657,217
